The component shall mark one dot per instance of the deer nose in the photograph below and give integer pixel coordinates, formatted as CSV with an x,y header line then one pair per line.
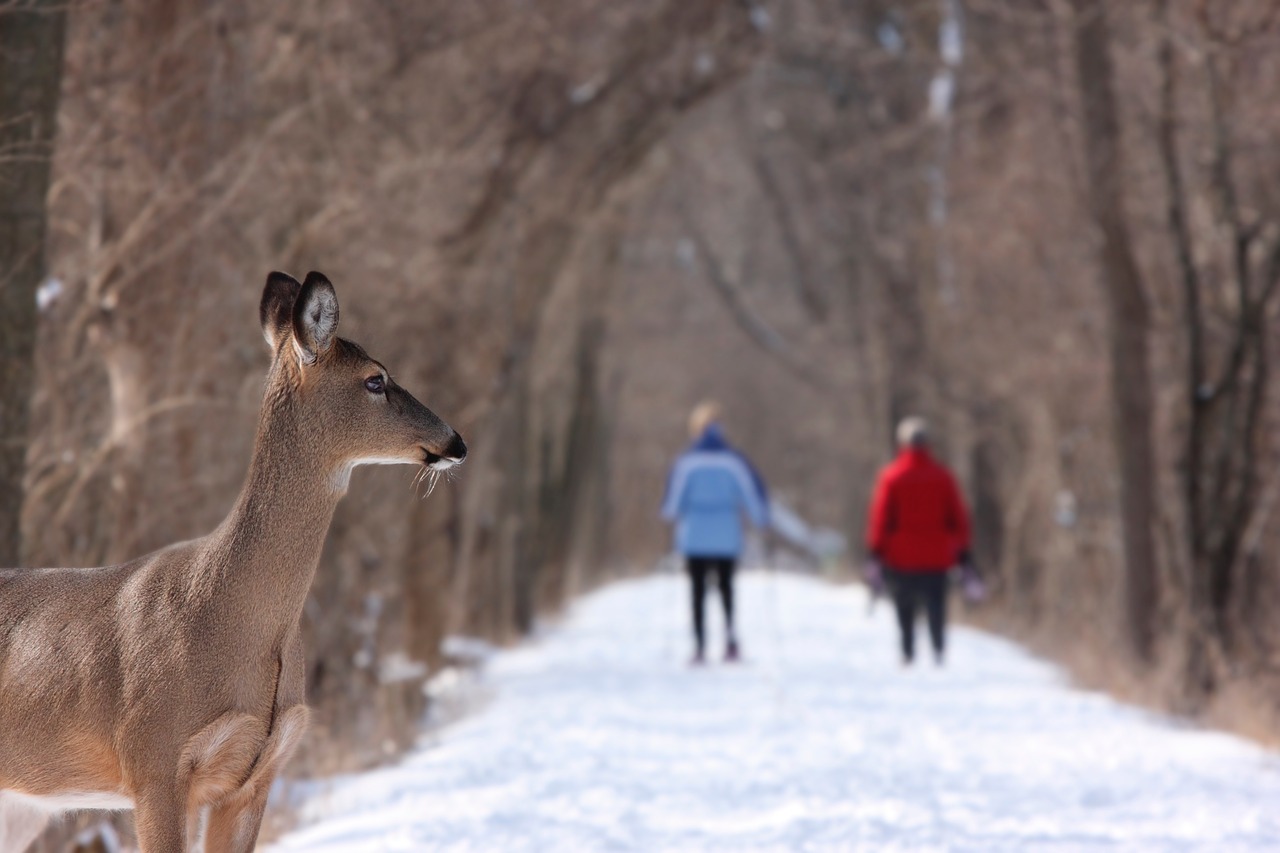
x,y
457,449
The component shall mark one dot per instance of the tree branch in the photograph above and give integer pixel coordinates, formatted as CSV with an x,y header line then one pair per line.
x,y
1193,325
751,324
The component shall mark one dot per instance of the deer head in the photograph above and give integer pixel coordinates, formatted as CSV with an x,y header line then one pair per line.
x,y
355,413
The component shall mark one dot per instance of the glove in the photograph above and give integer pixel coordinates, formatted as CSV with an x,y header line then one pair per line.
x,y
971,584
873,575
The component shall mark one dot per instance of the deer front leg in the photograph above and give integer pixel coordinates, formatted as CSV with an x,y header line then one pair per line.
x,y
160,816
234,825
234,822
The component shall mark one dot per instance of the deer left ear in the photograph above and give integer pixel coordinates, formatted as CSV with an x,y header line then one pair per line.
x,y
315,318
276,311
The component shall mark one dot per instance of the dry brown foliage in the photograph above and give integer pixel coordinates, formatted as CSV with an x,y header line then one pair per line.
x,y
567,222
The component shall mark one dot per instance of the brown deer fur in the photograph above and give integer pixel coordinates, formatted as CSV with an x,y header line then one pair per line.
x,y
174,683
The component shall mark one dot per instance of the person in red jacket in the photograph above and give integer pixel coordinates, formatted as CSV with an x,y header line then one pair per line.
x,y
918,530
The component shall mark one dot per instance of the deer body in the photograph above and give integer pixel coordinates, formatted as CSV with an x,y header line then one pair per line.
x,y
175,683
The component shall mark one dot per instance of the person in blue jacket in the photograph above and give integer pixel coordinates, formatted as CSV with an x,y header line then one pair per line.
x,y
710,488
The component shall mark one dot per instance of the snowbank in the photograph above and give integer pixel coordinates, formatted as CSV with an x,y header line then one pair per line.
x,y
599,737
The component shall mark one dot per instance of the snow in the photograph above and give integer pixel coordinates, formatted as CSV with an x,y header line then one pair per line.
x,y
48,293
471,651
951,33
890,38
399,667
942,91
760,18
101,837
598,736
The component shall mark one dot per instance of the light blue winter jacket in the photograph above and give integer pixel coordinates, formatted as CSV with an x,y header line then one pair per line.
x,y
710,487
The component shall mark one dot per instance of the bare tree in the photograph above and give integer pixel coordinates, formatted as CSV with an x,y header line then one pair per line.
x,y
1225,305
31,41
1128,318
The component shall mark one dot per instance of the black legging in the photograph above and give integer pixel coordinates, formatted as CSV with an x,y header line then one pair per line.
x,y
699,568
910,589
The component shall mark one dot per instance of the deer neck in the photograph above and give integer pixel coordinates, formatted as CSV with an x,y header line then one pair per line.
x,y
269,546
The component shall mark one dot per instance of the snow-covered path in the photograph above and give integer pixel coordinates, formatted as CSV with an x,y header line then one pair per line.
x,y
599,737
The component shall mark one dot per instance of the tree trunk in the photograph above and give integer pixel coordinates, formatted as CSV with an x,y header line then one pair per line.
x,y
31,41
1128,320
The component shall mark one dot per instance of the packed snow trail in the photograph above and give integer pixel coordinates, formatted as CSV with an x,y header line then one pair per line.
x,y
600,737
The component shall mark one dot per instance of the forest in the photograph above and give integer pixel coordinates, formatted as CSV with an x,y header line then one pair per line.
x,y
1052,227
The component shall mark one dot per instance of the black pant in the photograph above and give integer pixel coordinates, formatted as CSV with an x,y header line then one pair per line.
x,y
910,589
699,568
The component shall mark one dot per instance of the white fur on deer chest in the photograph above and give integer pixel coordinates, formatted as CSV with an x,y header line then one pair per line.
x,y
73,801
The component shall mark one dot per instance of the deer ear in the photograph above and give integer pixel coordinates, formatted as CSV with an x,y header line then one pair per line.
x,y
315,318
276,311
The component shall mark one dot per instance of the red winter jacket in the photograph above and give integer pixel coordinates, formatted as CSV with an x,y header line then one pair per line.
x,y
918,520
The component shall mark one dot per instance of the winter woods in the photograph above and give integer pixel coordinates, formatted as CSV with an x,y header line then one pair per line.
x,y
1051,226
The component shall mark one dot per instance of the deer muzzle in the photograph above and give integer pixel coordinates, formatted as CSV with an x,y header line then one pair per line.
x,y
453,454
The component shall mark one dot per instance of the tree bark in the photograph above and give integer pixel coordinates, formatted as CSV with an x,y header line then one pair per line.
x,y
1128,320
31,43
1224,444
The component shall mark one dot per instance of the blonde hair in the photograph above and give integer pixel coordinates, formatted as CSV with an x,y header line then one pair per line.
x,y
704,415
913,432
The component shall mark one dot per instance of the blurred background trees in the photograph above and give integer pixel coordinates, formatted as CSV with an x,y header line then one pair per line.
x,y
1051,226
31,43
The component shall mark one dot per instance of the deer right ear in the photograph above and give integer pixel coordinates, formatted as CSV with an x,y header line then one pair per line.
x,y
276,311
315,318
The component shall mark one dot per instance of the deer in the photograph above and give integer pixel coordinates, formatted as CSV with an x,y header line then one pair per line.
x,y
174,684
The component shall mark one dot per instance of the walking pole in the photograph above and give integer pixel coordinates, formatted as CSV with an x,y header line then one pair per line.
x,y
779,649
672,623
670,602
774,594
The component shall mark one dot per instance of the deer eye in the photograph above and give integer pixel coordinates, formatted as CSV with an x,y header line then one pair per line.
x,y
374,385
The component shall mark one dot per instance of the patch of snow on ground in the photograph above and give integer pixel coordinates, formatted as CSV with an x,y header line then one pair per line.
x,y
600,737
